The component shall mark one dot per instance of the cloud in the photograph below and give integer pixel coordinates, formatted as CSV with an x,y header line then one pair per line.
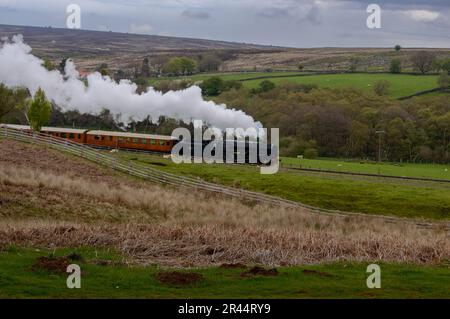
x,y
313,16
273,13
423,15
141,29
195,14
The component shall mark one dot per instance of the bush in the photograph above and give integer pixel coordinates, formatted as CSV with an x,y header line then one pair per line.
x,y
311,153
444,80
212,86
381,87
396,66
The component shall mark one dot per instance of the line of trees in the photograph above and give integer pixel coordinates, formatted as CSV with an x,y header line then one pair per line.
x,y
343,122
35,109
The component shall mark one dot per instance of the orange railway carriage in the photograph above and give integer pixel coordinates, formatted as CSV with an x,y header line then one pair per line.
x,y
145,142
124,140
71,134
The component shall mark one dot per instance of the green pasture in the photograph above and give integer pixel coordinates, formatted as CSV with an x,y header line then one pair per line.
x,y
105,274
433,171
401,84
371,195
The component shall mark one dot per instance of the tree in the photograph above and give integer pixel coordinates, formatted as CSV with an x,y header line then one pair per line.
x,y
209,63
381,87
446,66
396,66
212,86
232,84
103,69
311,153
266,86
11,99
180,66
444,80
39,111
354,63
49,65
62,65
397,47
300,67
423,61
145,69
6,100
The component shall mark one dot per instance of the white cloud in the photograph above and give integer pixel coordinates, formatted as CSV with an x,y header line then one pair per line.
x,y
423,15
141,28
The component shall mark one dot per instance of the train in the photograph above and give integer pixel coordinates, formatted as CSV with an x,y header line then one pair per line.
x,y
161,144
106,139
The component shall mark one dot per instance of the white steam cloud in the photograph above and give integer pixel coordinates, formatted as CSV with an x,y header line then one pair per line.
x,y
18,67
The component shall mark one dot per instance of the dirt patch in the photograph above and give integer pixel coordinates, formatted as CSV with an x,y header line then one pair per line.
x,y
212,251
53,264
260,271
178,278
315,272
233,266
75,257
45,159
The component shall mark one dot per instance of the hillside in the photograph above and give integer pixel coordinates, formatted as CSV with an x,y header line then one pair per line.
x,y
125,51
119,50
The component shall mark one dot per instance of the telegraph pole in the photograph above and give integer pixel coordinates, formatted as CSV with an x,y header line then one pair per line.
x,y
379,133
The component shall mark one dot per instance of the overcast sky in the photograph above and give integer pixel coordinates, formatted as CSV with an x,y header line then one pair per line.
x,y
296,23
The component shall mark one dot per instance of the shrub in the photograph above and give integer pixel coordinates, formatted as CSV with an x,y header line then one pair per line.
x,y
311,153
381,87
396,66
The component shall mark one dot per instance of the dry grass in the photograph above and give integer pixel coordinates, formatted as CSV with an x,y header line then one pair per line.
x,y
153,224
181,245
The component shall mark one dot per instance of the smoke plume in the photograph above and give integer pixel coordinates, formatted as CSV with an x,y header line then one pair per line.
x,y
18,67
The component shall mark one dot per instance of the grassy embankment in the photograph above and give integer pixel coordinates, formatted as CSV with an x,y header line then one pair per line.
x,y
105,274
346,193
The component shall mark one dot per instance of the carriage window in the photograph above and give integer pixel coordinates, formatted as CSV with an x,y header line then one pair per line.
x,y
144,141
63,135
110,138
121,139
153,142
72,135
79,136
97,137
135,140
162,143
129,140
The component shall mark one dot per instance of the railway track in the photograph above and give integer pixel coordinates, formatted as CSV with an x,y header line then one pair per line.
x,y
158,176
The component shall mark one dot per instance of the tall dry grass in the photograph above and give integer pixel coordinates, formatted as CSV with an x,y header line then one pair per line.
x,y
193,228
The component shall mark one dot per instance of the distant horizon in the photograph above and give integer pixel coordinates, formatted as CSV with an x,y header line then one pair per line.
x,y
268,46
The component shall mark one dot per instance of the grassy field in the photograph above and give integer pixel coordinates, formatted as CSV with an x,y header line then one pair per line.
x,y
434,171
352,194
241,76
105,274
401,84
